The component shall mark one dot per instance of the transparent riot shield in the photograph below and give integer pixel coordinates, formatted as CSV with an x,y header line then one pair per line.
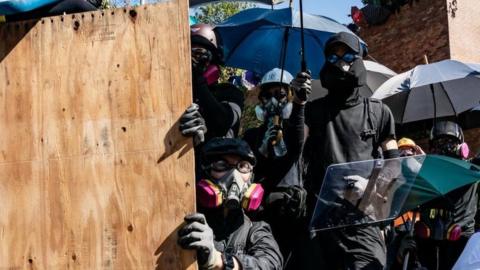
x,y
364,192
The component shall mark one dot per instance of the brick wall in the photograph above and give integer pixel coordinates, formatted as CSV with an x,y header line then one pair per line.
x,y
440,29
417,30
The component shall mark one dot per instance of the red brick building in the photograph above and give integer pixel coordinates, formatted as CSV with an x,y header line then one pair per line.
x,y
439,29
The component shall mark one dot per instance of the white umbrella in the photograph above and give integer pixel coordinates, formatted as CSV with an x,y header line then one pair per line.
x,y
470,257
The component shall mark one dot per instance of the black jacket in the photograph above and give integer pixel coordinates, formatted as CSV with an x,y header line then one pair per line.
x,y
251,243
221,106
284,171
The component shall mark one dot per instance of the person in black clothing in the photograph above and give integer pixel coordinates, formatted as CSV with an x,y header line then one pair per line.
x,y
345,127
217,107
278,144
220,104
445,223
222,234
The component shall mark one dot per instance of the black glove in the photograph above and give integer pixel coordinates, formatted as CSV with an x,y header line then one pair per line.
x,y
201,57
289,202
407,244
193,125
302,87
196,234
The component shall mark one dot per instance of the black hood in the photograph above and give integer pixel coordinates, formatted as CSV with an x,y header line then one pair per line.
x,y
344,86
348,39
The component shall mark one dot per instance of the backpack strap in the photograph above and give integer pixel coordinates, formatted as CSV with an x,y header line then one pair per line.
x,y
372,107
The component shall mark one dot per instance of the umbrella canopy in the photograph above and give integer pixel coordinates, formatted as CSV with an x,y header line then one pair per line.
x,y
377,74
445,88
193,3
438,176
470,257
260,39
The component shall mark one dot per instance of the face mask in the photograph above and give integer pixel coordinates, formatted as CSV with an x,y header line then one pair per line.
x,y
260,113
337,80
453,150
272,107
212,74
231,191
287,110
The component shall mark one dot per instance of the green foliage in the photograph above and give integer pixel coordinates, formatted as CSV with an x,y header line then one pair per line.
x,y
249,119
218,12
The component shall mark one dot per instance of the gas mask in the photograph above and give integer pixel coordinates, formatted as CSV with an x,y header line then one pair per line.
x,y
450,147
231,191
212,74
202,62
271,108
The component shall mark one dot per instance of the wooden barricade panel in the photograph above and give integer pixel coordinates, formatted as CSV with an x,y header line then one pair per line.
x,y
94,173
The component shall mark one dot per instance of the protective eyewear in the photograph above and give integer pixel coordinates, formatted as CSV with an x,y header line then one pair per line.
x,y
242,166
347,57
201,54
277,92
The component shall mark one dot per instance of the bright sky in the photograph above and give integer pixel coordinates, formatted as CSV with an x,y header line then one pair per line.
x,y
335,9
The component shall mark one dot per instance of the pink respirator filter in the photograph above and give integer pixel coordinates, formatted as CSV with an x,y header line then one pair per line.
x,y
212,74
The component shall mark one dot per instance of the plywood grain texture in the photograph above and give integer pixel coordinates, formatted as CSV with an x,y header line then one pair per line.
x,y
93,171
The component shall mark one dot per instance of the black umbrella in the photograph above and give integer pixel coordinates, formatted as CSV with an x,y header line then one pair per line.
x,y
442,89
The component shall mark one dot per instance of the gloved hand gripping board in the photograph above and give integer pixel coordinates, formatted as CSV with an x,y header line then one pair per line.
x,y
94,173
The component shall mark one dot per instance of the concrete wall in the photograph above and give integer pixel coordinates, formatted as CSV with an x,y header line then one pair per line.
x,y
464,26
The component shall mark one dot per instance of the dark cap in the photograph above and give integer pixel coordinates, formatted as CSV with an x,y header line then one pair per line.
x,y
228,146
348,39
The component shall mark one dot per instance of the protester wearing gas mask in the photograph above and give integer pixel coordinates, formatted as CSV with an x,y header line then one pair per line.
x,y
278,144
217,106
345,127
446,223
221,233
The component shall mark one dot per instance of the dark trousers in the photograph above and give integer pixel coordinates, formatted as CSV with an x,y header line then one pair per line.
x,y
332,250
439,255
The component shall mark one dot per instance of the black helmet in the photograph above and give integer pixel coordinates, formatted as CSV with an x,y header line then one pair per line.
x,y
204,35
446,128
228,146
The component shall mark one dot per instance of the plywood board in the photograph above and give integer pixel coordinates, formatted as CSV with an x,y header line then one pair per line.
x,y
94,173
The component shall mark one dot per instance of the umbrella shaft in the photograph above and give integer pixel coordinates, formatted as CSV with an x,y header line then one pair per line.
x,y
302,38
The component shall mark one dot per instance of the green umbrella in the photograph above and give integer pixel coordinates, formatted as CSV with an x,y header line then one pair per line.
x,y
438,176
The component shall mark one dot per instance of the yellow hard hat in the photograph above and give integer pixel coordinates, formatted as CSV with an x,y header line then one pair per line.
x,y
406,142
